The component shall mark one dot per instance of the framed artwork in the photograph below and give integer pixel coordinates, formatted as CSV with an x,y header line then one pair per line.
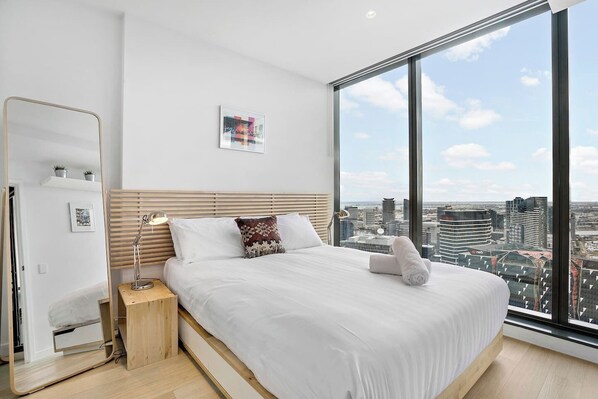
x,y
242,130
82,217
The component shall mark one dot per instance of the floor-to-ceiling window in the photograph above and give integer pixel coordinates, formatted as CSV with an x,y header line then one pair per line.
x,y
487,135
492,111
583,80
374,161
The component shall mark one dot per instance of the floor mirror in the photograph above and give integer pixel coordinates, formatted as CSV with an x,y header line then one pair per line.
x,y
56,277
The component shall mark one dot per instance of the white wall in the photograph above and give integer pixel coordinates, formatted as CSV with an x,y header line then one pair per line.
x,y
75,260
173,86
67,54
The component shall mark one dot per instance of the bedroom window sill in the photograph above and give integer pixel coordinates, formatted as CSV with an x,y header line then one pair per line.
x,y
553,330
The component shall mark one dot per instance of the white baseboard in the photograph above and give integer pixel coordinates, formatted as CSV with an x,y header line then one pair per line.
x,y
553,343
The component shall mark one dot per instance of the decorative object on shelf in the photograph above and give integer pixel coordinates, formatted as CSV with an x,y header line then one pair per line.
x,y
60,171
342,214
153,218
242,130
82,217
89,175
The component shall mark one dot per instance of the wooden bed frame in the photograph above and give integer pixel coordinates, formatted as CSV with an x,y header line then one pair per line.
x,y
225,369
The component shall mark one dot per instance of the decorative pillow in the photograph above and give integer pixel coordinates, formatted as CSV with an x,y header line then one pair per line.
x,y
197,240
297,232
260,236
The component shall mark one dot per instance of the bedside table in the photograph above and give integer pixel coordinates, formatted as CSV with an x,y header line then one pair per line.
x,y
148,324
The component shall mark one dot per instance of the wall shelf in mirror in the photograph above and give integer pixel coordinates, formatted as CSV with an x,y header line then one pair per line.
x,y
72,184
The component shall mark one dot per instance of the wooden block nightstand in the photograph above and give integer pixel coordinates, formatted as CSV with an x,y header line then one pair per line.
x,y
148,324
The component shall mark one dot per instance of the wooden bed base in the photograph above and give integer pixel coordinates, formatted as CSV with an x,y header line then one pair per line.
x,y
235,380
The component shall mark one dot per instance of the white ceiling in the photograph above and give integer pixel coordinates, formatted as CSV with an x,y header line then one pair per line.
x,y
320,39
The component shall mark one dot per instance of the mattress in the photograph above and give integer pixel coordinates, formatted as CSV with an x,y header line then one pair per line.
x,y
315,323
77,307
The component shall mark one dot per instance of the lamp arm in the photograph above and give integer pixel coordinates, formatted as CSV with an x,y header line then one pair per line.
x,y
331,220
137,239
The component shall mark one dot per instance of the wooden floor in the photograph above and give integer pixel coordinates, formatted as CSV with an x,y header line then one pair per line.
x,y
521,371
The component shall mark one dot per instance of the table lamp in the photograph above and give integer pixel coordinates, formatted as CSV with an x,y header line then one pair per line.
x,y
153,218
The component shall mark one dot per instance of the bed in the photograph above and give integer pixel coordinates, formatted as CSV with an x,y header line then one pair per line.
x,y
223,305
315,323
81,320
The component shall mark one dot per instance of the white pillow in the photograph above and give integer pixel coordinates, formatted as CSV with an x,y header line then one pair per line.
x,y
206,239
296,232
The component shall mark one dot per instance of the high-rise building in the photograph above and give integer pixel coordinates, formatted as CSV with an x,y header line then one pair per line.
x,y
353,212
388,210
498,220
405,209
369,216
526,221
460,229
347,229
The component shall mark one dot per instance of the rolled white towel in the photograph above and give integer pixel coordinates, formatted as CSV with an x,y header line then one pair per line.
x,y
412,265
387,264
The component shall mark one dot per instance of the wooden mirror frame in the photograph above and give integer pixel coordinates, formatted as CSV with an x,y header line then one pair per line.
x,y
6,253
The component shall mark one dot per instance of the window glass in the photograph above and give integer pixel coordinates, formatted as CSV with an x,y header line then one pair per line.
x,y
374,161
487,138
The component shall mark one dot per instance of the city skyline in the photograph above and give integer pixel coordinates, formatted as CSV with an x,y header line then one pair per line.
x,y
483,138
511,239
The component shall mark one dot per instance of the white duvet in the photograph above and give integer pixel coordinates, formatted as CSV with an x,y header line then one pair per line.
x,y
315,323
78,306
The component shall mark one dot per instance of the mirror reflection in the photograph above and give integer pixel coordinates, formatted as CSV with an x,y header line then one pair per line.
x,y
59,294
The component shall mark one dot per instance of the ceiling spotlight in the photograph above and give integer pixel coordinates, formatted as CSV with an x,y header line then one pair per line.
x,y
370,14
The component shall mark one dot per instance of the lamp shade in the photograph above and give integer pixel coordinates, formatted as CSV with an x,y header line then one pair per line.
x,y
156,218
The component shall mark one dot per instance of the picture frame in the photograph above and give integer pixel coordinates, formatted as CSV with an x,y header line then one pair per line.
x,y
242,130
82,217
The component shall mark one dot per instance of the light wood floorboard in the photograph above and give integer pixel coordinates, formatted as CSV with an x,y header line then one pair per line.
x,y
521,371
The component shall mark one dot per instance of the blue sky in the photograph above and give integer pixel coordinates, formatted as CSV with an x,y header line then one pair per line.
x,y
486,122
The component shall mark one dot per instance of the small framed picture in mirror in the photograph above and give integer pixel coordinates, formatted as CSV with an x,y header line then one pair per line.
x,y
82,217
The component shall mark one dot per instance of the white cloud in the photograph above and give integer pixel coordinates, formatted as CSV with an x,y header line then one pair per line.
x,y
393,97
361,136
347,104
471,50
529,81
469,156
542,154
477,117
444,182
379,93
593,132
469,150
584,159
437,104
398,154
434,100
531,78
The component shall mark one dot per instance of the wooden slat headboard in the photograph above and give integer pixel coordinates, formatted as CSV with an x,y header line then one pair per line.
x,y
127,207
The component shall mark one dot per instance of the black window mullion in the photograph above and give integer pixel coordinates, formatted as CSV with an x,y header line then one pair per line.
x,y
337,166
415,152
560,168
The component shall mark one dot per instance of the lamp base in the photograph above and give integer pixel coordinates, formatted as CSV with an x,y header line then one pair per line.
x,y
142,284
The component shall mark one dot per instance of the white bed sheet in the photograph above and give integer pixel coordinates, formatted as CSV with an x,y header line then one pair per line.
x,y
315,323
78,306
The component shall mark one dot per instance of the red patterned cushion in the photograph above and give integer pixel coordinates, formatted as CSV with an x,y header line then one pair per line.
x,y
260,236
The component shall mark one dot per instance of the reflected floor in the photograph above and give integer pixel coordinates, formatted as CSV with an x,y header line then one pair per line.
x,y
42,372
